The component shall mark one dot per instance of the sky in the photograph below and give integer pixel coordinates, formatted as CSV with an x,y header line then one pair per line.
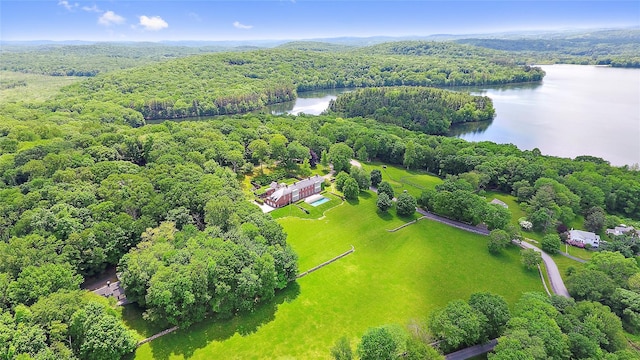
x,y
171,20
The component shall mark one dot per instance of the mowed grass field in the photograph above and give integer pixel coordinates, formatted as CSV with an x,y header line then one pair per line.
x,y
391,278
415,182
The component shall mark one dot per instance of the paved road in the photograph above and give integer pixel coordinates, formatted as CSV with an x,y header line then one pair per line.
x,y
458,224
573,257
472,351
557,285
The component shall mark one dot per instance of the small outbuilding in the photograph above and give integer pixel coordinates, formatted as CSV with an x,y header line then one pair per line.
x,y
500,202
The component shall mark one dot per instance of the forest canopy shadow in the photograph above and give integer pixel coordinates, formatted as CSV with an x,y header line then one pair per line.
x,y
185,342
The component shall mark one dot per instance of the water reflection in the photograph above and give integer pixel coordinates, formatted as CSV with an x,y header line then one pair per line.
x,y
469,128
308,102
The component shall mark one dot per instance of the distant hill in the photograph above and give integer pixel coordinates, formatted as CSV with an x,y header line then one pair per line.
x,y
620,47
314,46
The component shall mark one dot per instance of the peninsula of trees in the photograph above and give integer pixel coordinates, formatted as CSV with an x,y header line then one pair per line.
x,y
428,110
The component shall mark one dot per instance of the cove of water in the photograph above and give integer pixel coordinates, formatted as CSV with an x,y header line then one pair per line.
x,y
307,102
576,110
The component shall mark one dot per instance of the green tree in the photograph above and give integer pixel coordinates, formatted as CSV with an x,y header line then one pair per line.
x,y
519,344
551,243
34,282
530,258
384,203
494,310
362,177
260,151
406,204
341,178
496,216
595,219
351,189
341,350
362,154
377,344
615,265
411,157
376,177
385,187
626,304
219,212
99,335
456,325
305,168
340,155
590,284
498,240
324,158
278,144
418,350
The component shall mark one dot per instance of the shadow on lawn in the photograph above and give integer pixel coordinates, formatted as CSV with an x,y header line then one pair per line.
x,y
384,215
185,342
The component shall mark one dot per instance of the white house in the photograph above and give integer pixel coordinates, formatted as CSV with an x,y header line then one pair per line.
x,y
581,238
620,230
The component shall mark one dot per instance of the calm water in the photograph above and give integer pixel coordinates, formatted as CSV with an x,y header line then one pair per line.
x,y
308,102
576,110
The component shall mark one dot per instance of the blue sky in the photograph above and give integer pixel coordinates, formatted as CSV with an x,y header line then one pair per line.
x,y
146,20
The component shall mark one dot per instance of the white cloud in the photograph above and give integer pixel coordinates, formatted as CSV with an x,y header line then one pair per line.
x,y
153,23
93,8
110,18
238,25
67,5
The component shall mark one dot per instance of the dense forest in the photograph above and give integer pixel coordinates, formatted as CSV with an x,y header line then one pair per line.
x,y
429,110
232,83
90,60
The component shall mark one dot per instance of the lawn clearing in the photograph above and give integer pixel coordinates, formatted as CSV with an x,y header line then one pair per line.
x,y
390,278
314,212
415,182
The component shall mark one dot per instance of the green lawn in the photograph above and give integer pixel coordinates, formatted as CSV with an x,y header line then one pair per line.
x,y
314,212
390,278
402,179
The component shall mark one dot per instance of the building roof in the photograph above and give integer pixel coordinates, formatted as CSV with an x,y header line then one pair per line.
x,y
499,202
295,186
620,230
584,236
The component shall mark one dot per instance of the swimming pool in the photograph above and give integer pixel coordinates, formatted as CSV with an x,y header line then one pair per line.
x,y
319,202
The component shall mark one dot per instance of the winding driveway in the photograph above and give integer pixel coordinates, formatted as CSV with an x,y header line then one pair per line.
x,y
557,285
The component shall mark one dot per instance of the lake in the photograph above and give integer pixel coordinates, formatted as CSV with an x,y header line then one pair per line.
x,y
576,110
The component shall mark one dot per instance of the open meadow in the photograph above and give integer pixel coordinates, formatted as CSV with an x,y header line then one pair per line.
x,y
392,277
16,86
